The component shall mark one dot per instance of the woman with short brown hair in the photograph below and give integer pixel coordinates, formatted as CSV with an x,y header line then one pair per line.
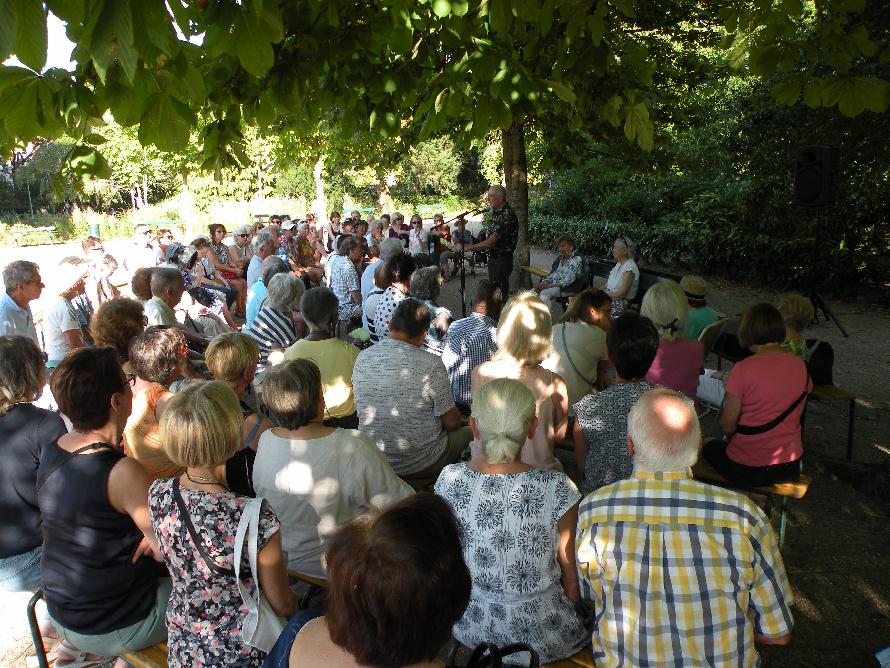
x,y
765,399
398,582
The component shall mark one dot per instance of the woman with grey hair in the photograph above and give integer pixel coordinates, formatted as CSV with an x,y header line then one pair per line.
x,y
334,358
425,285
624,279
25,431
274,327
518,525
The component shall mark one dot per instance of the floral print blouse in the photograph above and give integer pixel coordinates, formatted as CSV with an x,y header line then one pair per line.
x,y
205,611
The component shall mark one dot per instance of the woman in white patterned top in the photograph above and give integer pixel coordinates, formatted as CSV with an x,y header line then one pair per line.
x,y
518,532
567,269
398,278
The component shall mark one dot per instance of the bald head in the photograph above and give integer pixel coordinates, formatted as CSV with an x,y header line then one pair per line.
x,y
663,432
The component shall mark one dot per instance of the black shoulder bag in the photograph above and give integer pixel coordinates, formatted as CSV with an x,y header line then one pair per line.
x,y
775,422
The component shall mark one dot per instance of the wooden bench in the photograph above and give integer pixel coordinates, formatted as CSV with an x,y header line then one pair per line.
x,y
540,272
583,659
835,393
422,484
19,234
150,657
704,472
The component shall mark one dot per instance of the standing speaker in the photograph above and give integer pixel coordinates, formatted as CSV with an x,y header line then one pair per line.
x,y
815,175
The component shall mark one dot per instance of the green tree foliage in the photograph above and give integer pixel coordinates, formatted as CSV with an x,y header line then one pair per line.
x,y
432,167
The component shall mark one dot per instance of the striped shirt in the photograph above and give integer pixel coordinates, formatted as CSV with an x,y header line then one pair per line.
x,y
679,573
272,330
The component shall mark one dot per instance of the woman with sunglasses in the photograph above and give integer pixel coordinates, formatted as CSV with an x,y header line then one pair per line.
x,y
240,252
105,591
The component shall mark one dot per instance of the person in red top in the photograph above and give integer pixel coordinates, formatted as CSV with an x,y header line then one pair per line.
x,y
765,399
679,361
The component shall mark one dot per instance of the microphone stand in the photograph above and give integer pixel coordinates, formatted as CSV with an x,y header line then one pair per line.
x,y
461,256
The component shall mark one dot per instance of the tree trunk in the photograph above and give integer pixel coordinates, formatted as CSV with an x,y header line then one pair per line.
x,y
320,206
144,190
516,178
384,198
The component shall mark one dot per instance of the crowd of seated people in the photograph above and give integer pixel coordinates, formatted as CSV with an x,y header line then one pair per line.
x,y
125,504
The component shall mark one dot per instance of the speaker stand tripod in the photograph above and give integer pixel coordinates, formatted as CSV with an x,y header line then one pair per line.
x,y
819,303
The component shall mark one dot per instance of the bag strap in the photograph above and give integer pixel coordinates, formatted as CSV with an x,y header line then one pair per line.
x,y
772,424
71,456
571,361
253,429
196,539
248,529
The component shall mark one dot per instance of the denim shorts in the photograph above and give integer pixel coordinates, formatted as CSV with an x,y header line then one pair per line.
x,y
21,572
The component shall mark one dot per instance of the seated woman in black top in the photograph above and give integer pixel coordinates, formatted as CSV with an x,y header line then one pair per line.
x,y
24,432
105,591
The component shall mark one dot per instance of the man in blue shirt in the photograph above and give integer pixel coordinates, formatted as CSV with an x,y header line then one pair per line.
x,y
21,279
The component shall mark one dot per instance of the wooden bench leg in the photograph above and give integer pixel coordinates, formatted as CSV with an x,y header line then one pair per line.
x,y
782,522
850,430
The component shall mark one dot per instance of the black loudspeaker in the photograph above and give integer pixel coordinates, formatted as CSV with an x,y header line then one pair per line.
x,y
815,175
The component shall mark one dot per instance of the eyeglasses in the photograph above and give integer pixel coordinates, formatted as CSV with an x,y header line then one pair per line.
x,y
146,232
131,379
243,236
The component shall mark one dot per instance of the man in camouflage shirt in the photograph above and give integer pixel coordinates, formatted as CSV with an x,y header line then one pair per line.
x,y
503,230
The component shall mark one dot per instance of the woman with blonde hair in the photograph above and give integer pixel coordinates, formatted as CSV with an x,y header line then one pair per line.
x,y
518,526
579,345
679,362
523,335
195,517
232,358
25,431
797,312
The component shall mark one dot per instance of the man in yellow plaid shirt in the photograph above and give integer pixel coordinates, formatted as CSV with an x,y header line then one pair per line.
x,y
678,572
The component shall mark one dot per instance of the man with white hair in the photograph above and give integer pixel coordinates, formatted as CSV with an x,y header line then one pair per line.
x,y
678,572
503,230
264,244
23,284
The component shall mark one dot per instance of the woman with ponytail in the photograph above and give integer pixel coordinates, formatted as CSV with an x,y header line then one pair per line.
x,y
679,362
518,530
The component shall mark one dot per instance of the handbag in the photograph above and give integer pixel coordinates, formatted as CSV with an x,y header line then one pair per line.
x,y
261,626
489,655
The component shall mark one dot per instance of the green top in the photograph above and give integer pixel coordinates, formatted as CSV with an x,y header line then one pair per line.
x,y
698,319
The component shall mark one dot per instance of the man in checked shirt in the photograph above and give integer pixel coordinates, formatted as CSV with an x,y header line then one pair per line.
x,y
678,572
